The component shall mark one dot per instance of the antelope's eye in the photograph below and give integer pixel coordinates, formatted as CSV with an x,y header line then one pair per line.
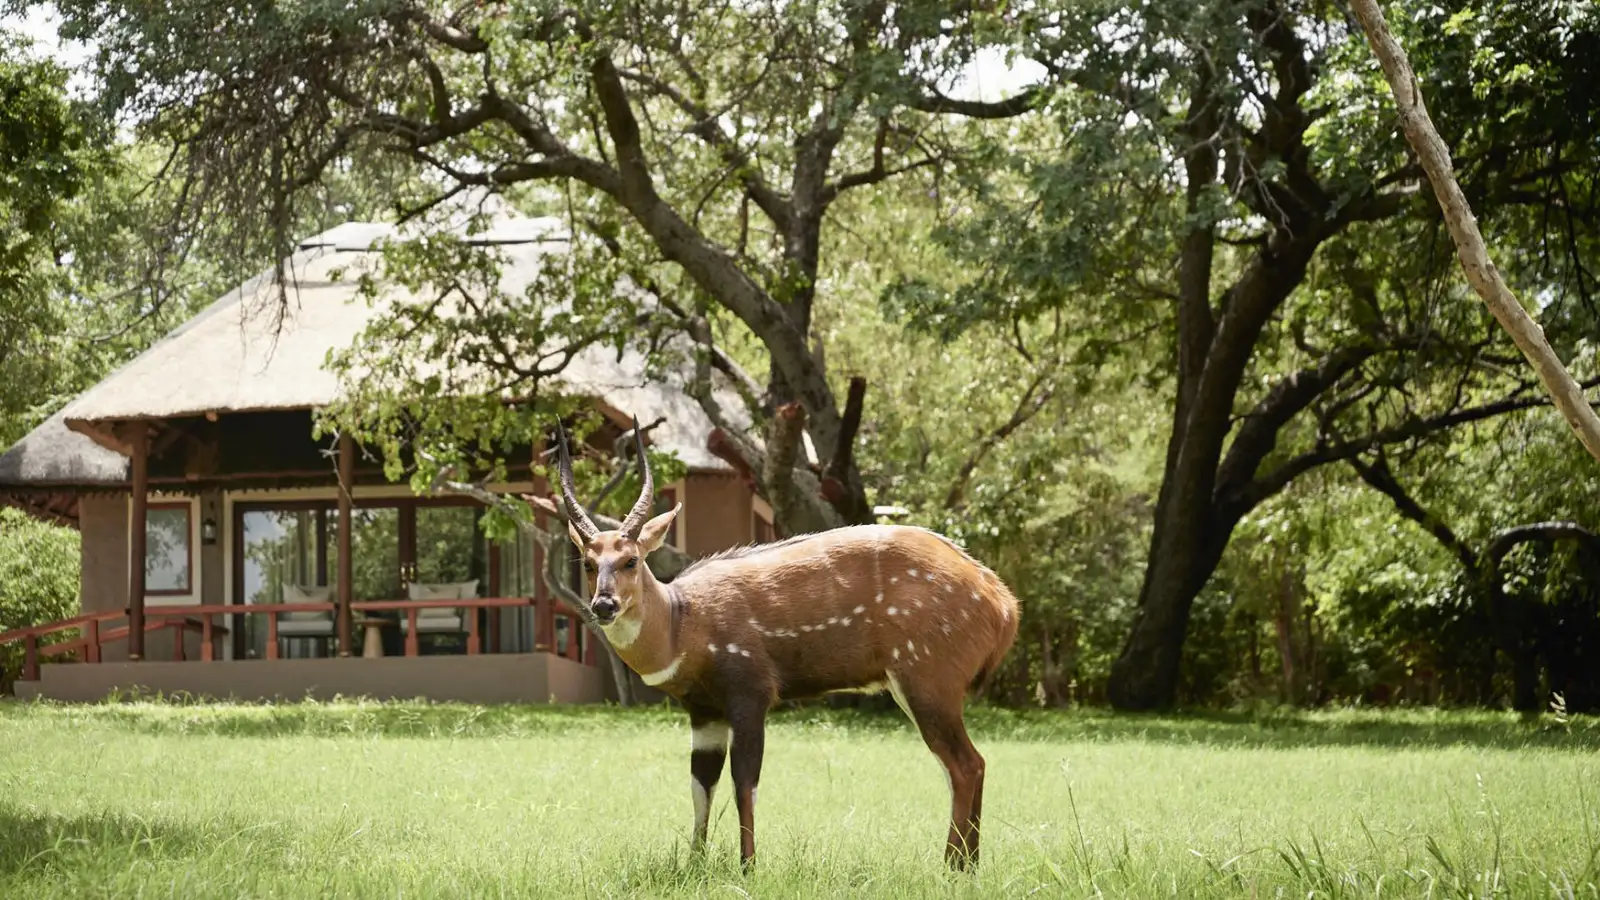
x,y
589,565
632,562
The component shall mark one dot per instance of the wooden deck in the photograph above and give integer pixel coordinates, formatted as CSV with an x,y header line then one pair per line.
x,y
485,678
69,660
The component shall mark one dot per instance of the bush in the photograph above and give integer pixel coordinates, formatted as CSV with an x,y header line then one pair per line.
x,y
39,575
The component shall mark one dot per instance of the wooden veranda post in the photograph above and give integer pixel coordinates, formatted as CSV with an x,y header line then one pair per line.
x,y
139,457
347,467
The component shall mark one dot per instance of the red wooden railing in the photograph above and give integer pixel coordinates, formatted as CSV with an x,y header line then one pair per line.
x,y
92,637
93,634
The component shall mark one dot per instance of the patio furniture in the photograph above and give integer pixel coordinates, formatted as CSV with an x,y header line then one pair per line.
x,y
372,643
314,625
440,619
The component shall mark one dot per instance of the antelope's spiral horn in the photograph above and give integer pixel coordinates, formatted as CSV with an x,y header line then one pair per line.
x,y
647,491
580,520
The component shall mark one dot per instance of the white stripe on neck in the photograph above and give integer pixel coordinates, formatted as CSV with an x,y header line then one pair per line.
x,y
664,675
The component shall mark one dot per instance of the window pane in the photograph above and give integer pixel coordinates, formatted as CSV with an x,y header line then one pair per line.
x,y
375,547
166,550
282,548
451,548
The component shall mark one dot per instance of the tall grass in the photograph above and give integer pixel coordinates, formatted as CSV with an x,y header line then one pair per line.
x,y
415,800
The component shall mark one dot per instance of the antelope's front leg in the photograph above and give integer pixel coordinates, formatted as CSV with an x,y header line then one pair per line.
x,y
708,748
749,723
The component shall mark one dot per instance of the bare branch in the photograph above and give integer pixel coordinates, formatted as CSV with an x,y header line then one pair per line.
x,y
1032,401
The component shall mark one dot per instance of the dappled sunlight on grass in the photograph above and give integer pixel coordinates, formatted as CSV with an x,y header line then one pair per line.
x,y
416,799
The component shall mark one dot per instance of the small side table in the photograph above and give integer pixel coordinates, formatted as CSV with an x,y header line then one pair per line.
x,y
372,644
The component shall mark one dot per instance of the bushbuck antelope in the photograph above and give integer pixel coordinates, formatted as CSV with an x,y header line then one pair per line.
x,y
853,609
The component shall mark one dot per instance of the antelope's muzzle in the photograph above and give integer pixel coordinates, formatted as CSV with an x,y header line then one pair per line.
x,y
604,609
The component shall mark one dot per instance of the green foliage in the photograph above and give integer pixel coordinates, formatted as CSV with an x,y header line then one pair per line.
x,y
1010,297
39,573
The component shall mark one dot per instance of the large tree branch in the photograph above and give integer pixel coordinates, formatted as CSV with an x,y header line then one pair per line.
x,y
1252,494
703,124
794,492
1504,541
1470,247
931,100
1378,476
1258,434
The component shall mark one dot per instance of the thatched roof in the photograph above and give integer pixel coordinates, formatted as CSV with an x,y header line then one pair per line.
x,y
52,455
247,352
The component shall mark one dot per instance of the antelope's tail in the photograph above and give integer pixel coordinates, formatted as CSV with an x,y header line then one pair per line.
x,y
1011,613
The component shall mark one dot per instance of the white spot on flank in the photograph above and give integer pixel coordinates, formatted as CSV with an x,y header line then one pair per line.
x,y
917,603
806,628
911,573
880,597
949,588
861,609
833,620
744,653
894,579
662,676
910,645
893,611
975,597
846,621
947,628
897,653
928,577
733,648
712,648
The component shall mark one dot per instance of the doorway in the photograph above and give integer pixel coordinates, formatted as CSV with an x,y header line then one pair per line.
x,y
288,552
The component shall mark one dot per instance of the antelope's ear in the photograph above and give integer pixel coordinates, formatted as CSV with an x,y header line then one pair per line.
x,y
576,538
654,531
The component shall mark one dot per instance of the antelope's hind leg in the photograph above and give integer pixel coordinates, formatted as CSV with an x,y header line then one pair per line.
x,y
749,721
938,716
708,749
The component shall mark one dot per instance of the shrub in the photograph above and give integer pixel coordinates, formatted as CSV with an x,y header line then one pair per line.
x,y
39,575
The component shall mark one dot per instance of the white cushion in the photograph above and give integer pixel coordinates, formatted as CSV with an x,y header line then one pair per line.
x,y
294,593
460,590
432,624
300,593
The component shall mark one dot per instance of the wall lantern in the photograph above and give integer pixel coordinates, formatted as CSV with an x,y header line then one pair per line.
x,y
208,531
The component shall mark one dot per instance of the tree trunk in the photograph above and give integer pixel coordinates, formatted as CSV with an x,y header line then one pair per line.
x,y
1283,619
1145,675
1049,672
1524,678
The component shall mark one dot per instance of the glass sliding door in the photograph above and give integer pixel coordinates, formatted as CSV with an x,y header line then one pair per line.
x,y
288,552
285,559
375,548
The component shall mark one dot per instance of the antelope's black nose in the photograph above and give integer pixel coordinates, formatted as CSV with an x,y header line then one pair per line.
x,y
605,609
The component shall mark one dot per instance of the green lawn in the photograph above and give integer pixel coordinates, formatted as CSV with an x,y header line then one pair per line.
x,y
399,800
